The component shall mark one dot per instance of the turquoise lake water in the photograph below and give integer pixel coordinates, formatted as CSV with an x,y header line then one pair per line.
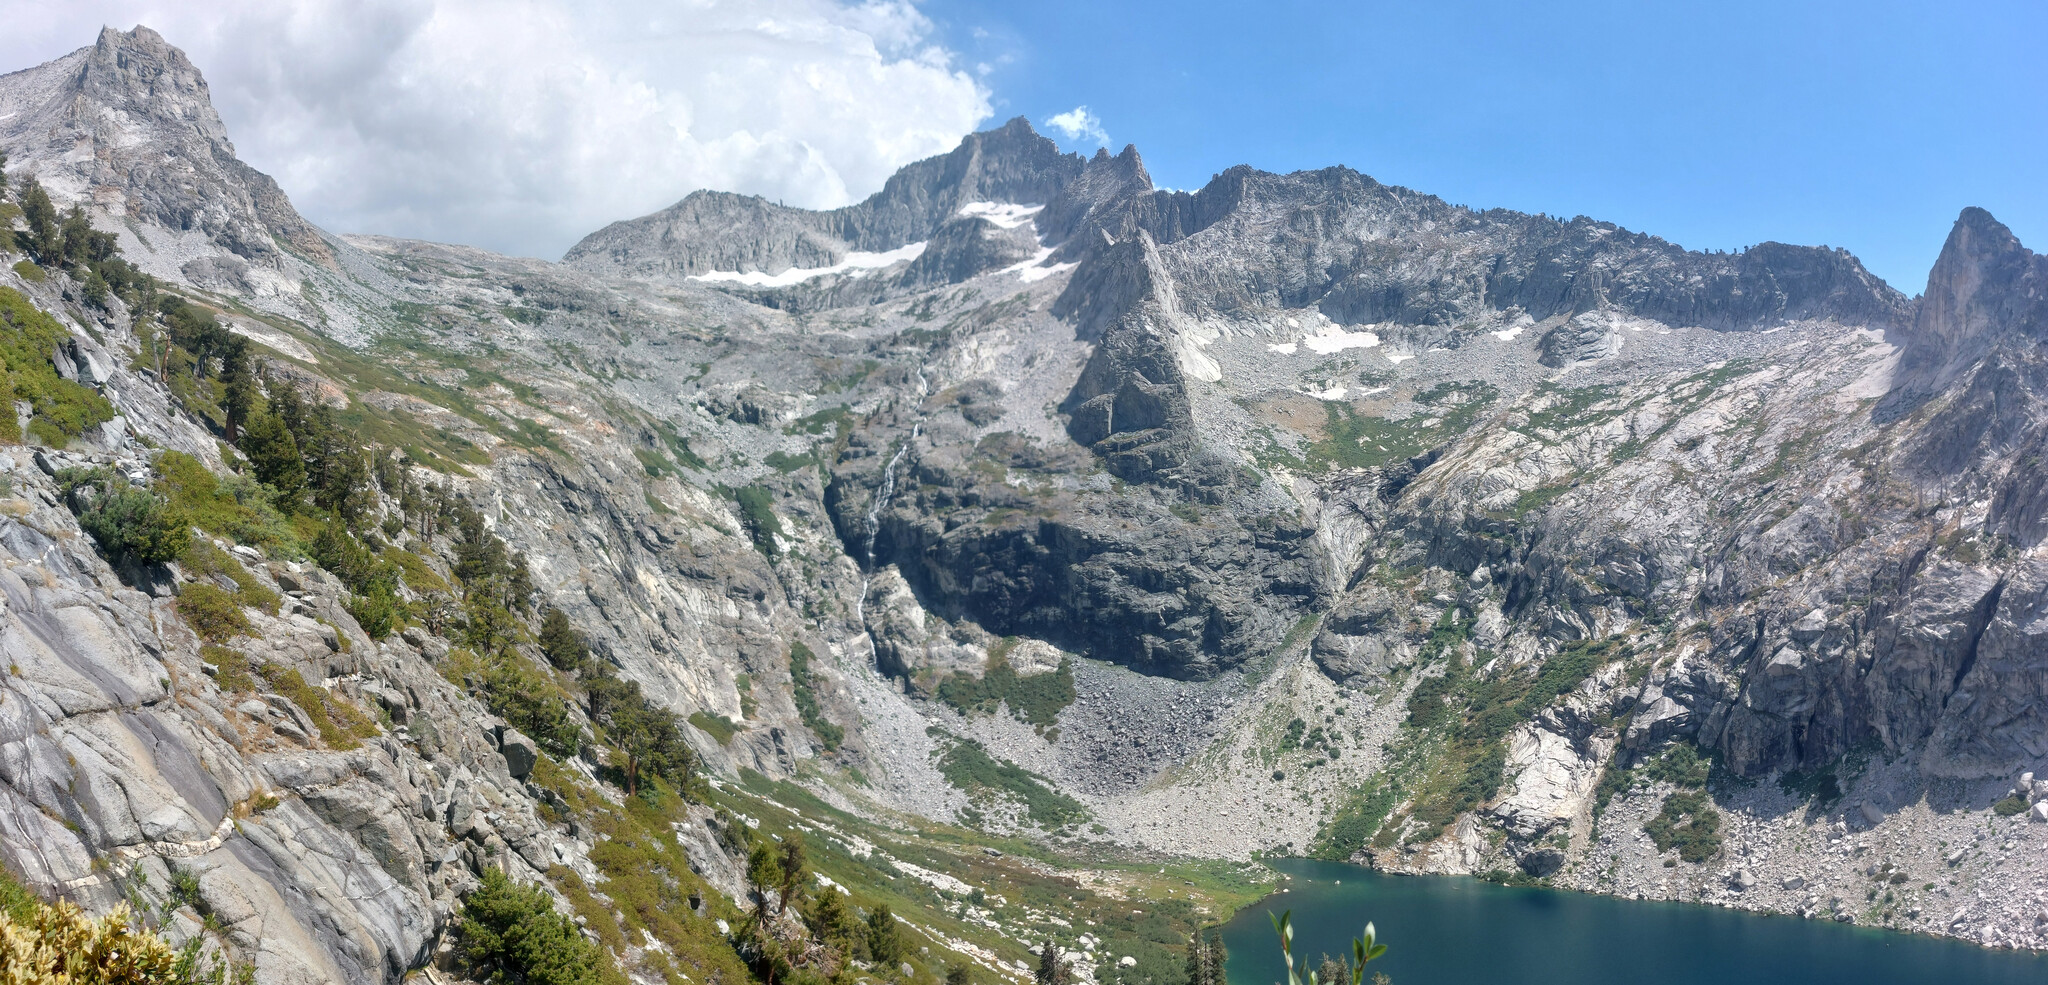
x,y
1442,929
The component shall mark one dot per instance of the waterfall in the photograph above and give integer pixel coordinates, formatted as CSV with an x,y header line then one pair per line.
x,y
882,495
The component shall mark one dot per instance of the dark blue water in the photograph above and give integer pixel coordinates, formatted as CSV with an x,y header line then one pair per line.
x,y
1442,930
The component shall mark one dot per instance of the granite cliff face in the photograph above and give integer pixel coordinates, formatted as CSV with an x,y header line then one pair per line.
x,y
127,126
1411,533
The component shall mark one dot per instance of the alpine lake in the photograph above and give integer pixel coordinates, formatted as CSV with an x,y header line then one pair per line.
x,y
1445,930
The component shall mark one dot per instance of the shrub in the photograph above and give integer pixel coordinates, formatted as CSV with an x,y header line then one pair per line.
x,y
968,766
1682,766
59,944
2010,806
757,511
130,522
1033,698
806,698
511,935
1689,824
231,668
533,704
337,550
716,726
1339,971
340,724
233,506
377,613
63,410
203,558
418,576
213,612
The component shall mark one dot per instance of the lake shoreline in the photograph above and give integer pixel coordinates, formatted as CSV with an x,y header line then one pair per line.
x,y
1435,913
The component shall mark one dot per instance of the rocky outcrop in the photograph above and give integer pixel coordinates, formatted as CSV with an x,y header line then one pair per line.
x,y
127,126
121,764
1985,288
711,230
1255,463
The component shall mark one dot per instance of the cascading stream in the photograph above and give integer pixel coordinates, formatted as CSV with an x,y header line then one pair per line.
x,y
882,496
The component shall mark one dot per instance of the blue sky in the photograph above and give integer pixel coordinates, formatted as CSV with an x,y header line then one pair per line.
x,y
1861,125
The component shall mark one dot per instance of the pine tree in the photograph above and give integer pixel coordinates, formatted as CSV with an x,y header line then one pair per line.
x,y
337,471
885,938
795,866
561,643
6,221
41,239
1053,969
241,395
764,874
1205,958
836,925
274,456
650,736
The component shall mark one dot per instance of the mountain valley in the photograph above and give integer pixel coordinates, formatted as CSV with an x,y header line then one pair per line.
x,y
1040,548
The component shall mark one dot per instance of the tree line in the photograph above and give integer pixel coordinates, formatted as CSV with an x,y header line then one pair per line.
x,y
67,241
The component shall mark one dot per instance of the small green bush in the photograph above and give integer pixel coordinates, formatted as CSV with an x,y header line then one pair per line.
x,y
805,695
757,511
203,558
337,550
340,724
231,668
716,726
213,612
234,506
378,613
969,767
63,410
1682,766
131,522
1033,698
1688,823
532,703
2010,806
511,935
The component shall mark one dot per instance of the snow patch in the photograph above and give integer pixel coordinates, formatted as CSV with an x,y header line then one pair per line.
x,y
1030,275
1004,214
1188,343
856,263
1397,357
1031,272
1339,341
1283,348
1508,333
1333,393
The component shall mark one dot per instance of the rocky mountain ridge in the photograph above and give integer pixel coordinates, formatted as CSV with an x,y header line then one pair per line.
x,y
1446,540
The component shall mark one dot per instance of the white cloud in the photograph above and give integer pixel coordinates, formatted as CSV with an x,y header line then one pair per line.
x,y
521,125
1080,125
